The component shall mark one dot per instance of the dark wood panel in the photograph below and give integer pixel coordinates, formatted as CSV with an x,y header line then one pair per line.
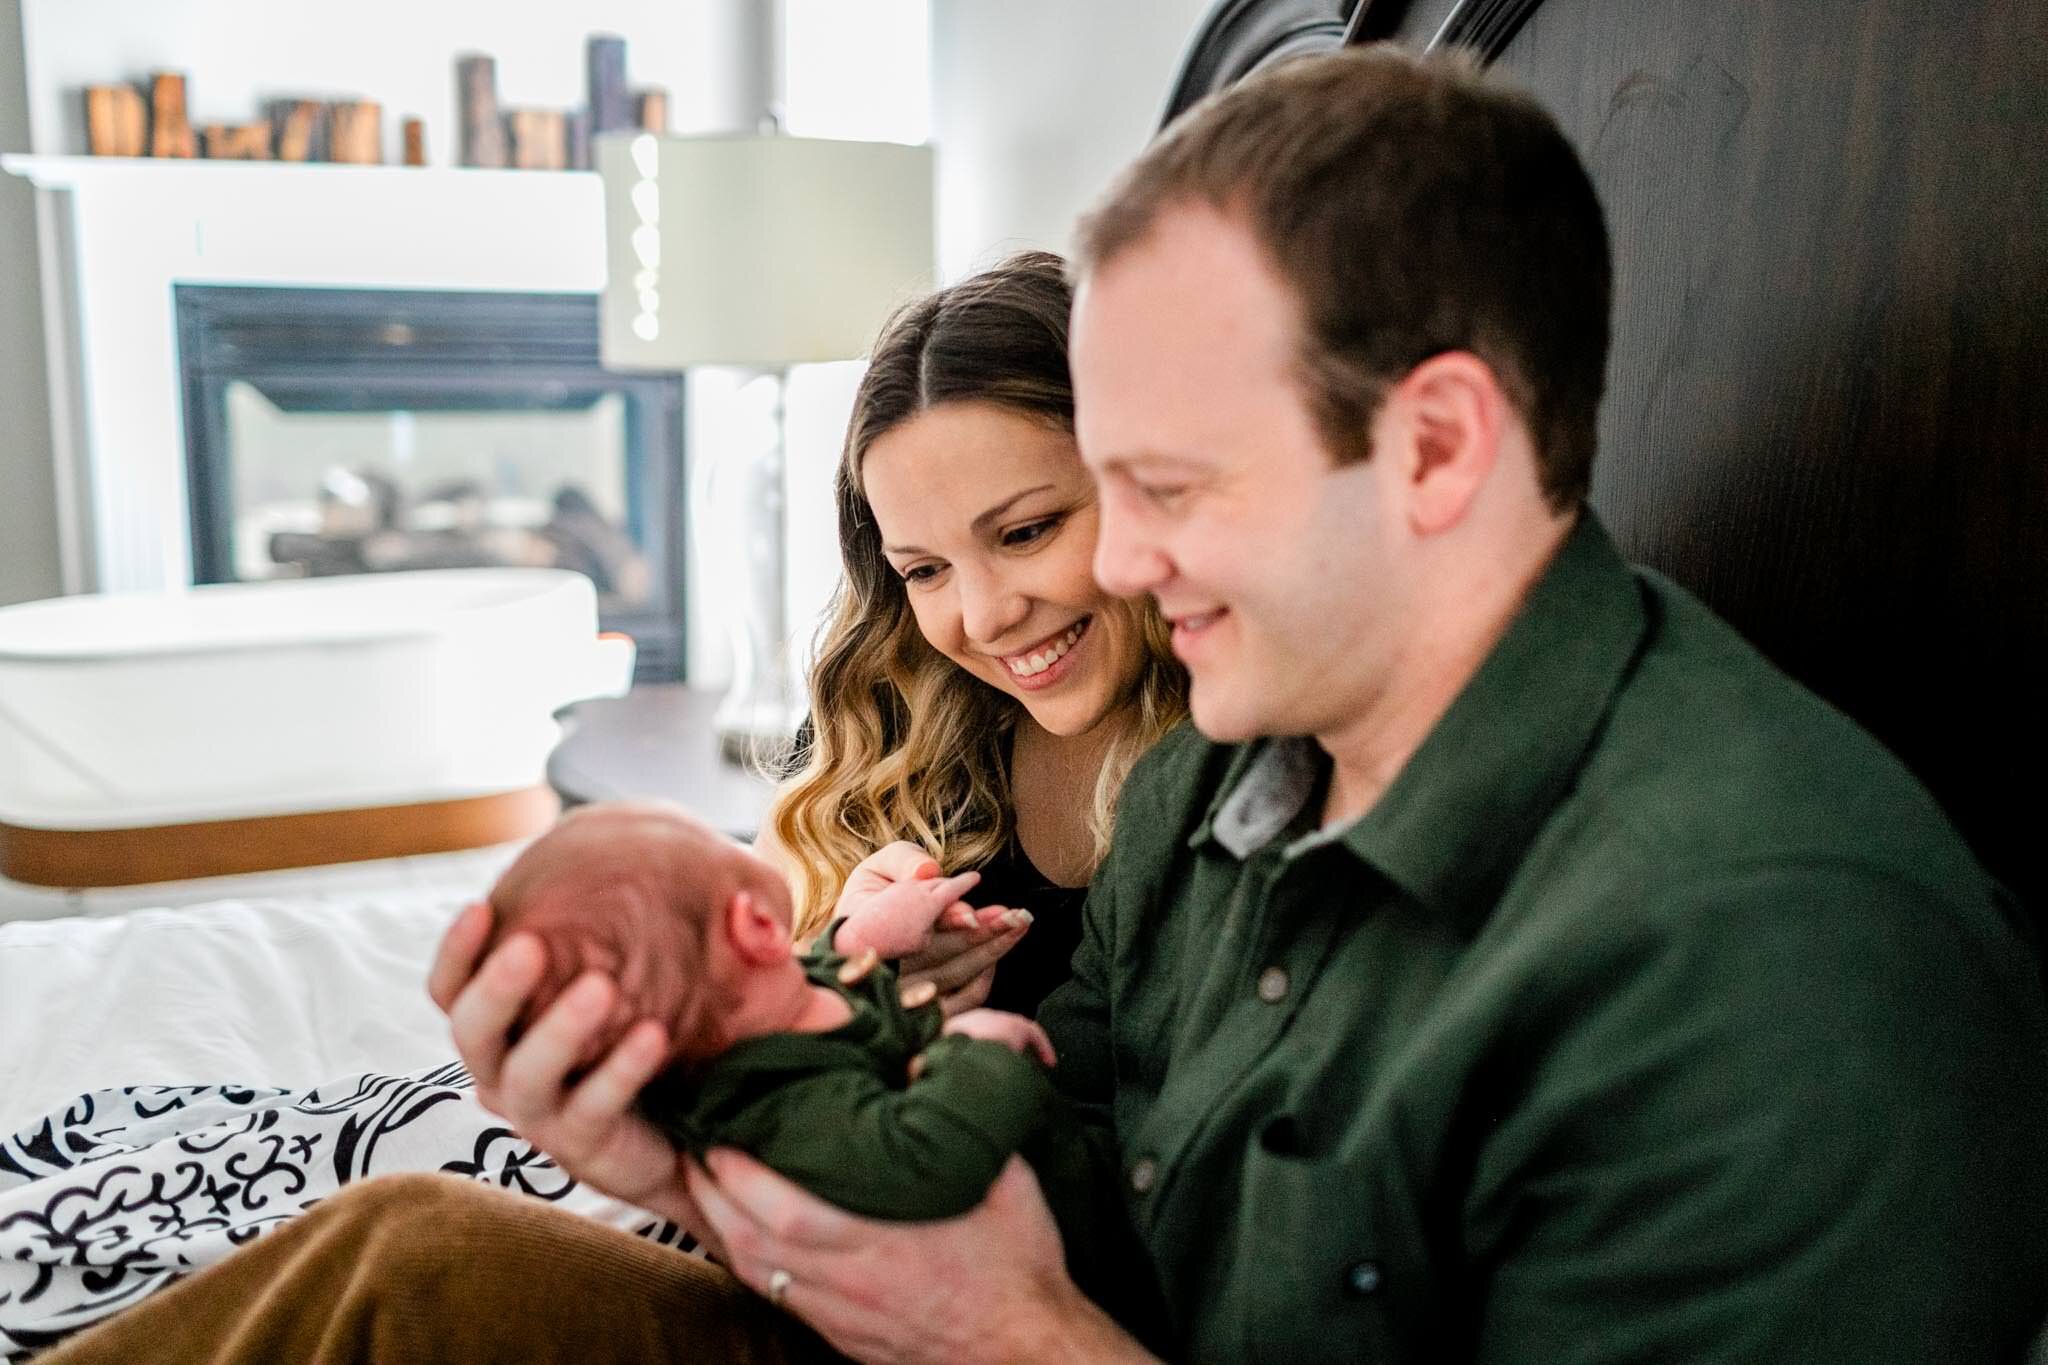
x,y
1828,408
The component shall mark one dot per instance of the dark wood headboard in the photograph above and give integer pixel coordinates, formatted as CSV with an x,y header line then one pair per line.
x,y
1827,407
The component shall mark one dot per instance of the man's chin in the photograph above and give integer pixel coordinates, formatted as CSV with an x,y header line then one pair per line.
x,y
1221,716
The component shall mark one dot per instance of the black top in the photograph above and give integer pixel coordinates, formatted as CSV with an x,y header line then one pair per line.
x,y
1044,957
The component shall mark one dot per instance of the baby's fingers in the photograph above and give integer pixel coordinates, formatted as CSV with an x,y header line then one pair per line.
x,y
455,959
1041,1043
946,890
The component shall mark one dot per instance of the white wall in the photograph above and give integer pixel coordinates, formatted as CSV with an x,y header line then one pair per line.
x,y
1033,107
28,510
1036,106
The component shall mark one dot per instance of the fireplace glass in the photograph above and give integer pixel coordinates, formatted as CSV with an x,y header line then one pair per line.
x,y
365,431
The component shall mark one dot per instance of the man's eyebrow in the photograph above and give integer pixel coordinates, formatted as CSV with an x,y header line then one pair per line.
x,y
1125,460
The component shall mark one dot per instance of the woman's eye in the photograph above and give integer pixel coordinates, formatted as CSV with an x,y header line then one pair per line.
x,y
1025,535
1162,494
920,573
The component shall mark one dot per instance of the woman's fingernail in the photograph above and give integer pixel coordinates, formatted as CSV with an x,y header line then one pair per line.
x,y
1016,919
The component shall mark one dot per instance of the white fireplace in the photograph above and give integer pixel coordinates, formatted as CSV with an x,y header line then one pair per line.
x,y
118,235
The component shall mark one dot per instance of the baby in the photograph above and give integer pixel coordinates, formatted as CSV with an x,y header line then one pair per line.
x,y
817,1065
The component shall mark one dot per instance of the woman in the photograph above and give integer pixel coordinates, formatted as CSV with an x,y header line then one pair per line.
x,y
976,702
973,680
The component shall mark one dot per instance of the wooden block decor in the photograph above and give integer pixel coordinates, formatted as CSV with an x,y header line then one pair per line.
x,y
540,139
476,93
355,133
415,142
238,142
578,122
611,103
116,121
301,130
170,132
653,110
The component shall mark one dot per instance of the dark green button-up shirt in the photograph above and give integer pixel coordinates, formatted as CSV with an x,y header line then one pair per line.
x,y
1654,1012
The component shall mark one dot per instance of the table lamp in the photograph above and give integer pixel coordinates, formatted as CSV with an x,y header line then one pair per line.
x,y
763,252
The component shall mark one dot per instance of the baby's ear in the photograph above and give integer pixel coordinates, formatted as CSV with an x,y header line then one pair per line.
x,y
756,931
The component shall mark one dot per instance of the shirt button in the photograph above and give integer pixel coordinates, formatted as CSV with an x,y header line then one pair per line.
x,y
1363,1278
1273,985
1143,1173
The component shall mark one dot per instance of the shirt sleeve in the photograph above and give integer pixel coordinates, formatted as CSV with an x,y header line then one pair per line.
x,y
926,1151
1796,1118
1080,1168
1076,1014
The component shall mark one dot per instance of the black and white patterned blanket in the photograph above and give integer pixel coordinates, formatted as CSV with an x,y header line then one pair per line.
x,y
124,1191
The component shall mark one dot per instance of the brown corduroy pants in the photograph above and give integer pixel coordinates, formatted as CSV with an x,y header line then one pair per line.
x,y
422,1269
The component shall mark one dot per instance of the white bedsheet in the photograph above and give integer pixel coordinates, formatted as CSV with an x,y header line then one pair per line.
x,y
303,1023
281,992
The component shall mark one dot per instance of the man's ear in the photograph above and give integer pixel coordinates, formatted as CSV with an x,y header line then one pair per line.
x,y
1452,415
756,931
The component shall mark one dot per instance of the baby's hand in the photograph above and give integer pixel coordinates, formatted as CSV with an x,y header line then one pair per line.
x,y
1013,1031
897,919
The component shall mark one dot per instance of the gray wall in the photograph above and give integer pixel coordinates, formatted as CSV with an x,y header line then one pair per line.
x,y
1035,107
28,507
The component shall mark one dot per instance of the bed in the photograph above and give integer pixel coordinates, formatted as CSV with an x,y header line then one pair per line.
x,y
173,1080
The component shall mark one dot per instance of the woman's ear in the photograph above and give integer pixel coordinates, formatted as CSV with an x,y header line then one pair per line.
x,y
756,932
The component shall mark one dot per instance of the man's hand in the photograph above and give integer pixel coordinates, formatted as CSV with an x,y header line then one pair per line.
x,y
589,1127
990,1285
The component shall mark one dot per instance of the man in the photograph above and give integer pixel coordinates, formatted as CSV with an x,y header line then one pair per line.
x,y
1515,966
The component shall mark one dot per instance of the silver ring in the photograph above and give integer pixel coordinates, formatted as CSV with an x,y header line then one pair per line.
x,y
779,1282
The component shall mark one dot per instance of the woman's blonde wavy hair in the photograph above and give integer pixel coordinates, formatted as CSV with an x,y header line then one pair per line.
x,y
905,744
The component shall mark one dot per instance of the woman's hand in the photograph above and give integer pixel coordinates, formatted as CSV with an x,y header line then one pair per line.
x,y
989,1285
589,1126
961,958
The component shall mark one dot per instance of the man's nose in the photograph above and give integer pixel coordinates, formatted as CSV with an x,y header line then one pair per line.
x,y
1127,561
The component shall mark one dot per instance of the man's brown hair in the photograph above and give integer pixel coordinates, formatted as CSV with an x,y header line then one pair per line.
x,y
1414,206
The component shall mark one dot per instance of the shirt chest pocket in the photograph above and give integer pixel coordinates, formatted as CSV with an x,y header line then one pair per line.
x,y
1308,1280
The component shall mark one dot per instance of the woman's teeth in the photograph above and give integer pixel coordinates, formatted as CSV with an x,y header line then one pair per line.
x,y
1029,665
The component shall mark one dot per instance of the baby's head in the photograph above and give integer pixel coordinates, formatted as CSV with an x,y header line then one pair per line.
x,y
644,892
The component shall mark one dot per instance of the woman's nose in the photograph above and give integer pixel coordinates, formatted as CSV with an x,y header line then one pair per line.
x,y
990,606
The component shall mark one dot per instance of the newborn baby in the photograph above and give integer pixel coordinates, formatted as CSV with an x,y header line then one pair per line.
x,y
816,1065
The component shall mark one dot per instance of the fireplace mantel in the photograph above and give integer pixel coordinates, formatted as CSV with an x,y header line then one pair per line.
x,y
117,233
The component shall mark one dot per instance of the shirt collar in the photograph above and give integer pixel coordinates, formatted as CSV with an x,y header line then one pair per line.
x,y
1467,804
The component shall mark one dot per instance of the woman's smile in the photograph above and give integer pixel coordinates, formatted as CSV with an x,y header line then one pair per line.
x,y
1048,661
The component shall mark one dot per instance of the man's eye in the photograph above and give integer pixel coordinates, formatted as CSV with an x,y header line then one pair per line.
x,y
1025,535
1162,494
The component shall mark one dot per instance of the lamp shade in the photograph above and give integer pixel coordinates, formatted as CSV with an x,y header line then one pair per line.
x,y
760,251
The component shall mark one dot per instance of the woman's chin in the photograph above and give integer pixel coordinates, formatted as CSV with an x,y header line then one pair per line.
x,y
1068,714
